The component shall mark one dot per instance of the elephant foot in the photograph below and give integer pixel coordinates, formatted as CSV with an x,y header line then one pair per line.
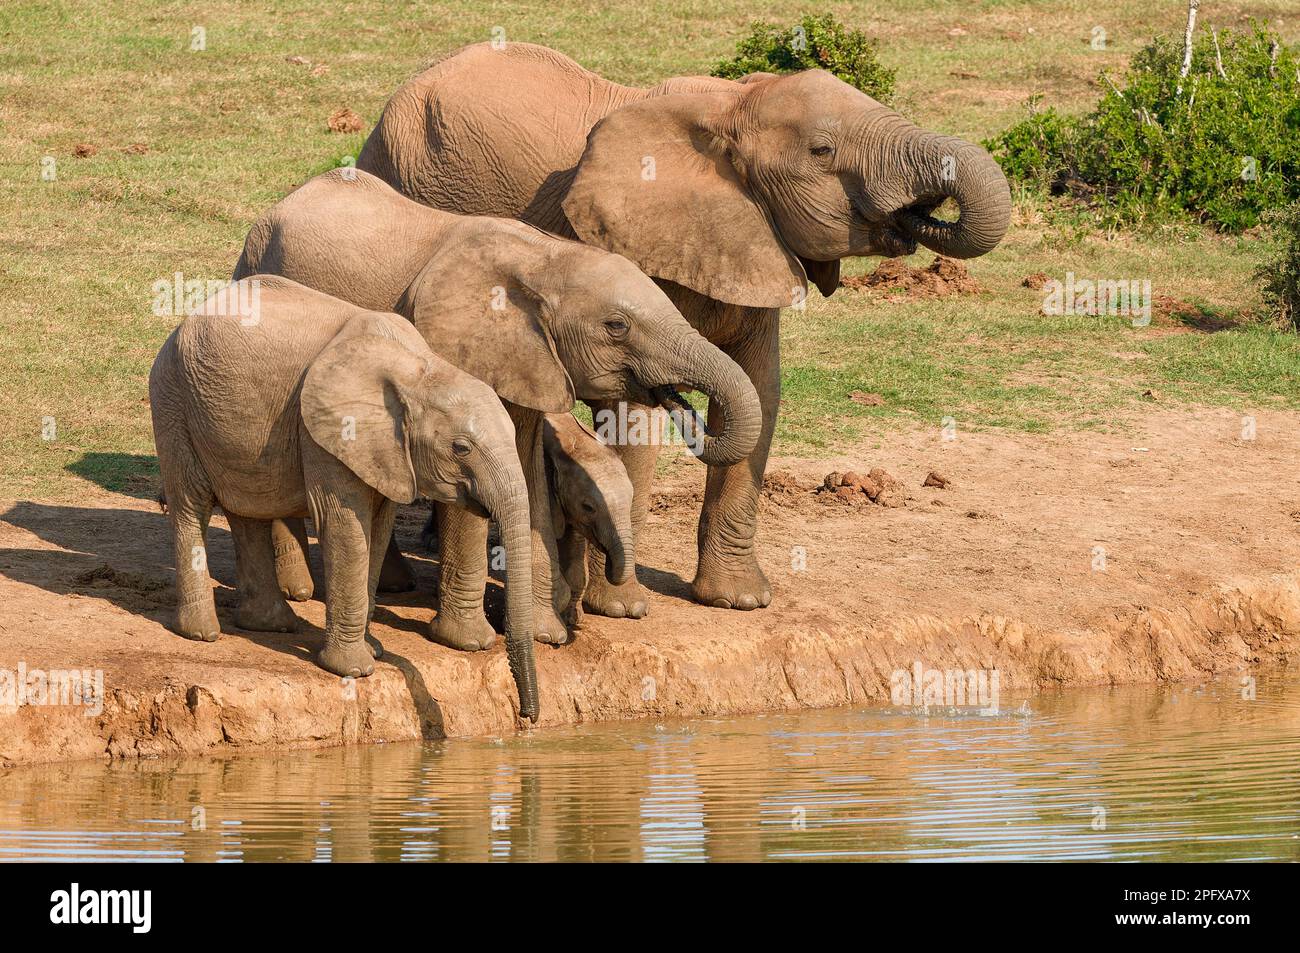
x,y
376,647
396,574
549,627
197,621
266,615
465,632
349,660
739,584
628,601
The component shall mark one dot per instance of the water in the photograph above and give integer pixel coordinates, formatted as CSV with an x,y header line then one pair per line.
x,y
1183,773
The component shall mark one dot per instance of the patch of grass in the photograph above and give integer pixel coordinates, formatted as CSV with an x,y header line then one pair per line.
x,y
230,130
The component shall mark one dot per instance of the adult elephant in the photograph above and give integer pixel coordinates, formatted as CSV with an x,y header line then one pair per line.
x,y
731,194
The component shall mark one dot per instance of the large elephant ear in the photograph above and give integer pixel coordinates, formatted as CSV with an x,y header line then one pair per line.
x,y
475,305
354,407
656,184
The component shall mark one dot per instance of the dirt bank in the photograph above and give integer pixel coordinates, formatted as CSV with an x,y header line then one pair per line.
x,y
1168,552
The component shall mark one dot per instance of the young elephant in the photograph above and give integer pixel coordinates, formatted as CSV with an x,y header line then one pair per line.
x,y
540,319
297,403
591,501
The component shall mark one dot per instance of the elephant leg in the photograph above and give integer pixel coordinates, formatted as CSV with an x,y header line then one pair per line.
x,y
289,539
728,575
190,508
630,600
344,523
551,596
462,541
572,547
397,574
261,604
381,530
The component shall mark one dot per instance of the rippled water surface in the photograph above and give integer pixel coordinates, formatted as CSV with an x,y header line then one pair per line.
x,y
1184,773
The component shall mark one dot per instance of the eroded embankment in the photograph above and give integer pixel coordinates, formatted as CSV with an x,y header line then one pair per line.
x,y
1169,552
600,677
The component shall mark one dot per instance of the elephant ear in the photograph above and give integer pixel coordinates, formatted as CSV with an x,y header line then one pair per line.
x,y
354,407
657,185
475,305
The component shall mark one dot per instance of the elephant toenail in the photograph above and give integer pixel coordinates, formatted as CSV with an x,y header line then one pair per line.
x,y
721,604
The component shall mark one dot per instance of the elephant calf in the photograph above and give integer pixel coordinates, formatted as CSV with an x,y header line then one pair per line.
x,y
292,403
591,502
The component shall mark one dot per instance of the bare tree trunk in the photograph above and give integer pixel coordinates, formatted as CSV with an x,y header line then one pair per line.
x,y
1192,7
1218,56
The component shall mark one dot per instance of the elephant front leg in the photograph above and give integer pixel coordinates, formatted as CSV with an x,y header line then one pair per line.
x,y
261,603
572,547
630,600
463,572
381,530
344,523
727,575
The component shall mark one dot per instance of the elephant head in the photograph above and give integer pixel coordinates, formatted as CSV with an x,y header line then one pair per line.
x,y
740,193
594,492
409,424
544,320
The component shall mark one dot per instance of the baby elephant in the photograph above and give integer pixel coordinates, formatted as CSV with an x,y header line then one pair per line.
x,y
276,401
591,501
591,496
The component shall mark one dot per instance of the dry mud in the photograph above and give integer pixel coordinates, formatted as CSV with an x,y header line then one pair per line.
x,y
1168,552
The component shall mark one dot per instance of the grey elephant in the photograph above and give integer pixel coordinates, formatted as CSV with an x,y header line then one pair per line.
x,y
275,401
591,502
733,195
541,319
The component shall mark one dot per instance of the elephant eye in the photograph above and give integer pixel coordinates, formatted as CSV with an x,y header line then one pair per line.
x,y
461,447
821,150
616,326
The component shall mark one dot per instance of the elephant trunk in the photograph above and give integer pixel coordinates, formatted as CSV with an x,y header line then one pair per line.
x,y
705,368
509,507
932,168
620,563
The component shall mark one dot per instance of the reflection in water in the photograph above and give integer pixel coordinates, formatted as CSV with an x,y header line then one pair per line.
x,y
1182,773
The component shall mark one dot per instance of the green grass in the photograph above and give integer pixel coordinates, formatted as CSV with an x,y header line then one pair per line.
x,y
231,129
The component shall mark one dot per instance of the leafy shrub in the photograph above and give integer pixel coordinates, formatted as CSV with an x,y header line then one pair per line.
x,y
1037,151
1280,273
814,43
1222,147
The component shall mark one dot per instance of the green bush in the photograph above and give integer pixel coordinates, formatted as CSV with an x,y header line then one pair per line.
x,y
815,43
1223,148
1280,272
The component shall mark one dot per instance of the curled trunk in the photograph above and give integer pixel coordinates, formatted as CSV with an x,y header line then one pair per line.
x,y
924,169
705,368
